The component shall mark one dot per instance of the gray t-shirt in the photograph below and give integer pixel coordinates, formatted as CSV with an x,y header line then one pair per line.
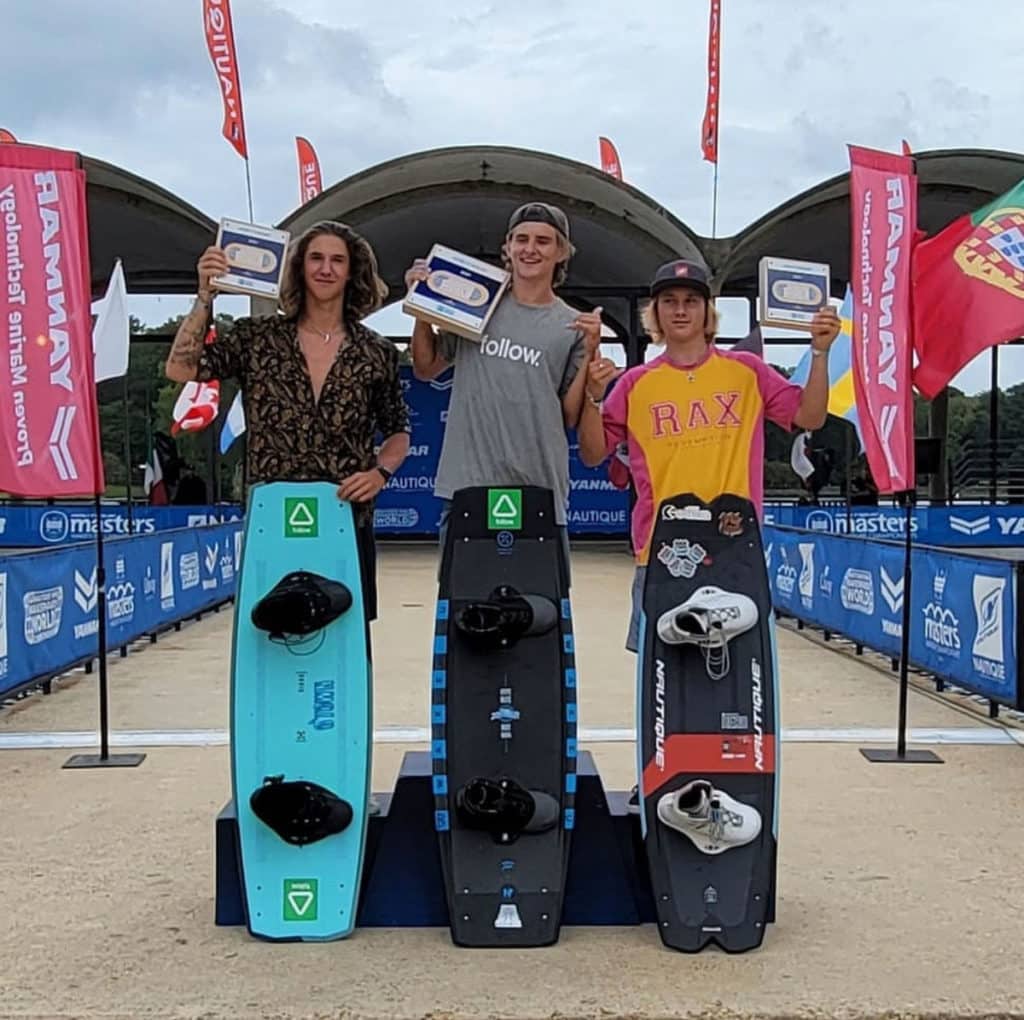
x,y
505,424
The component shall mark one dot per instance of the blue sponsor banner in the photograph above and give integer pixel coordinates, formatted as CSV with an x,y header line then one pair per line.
x,y
408,505
49,600
963,609
62,524
964,526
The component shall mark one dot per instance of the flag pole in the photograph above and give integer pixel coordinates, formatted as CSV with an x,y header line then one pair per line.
x,y
714,201
713,102
104,759
248,188
901,755
127,456
901,725
849,478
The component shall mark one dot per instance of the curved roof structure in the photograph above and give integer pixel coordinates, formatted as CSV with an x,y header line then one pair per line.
x,y
815,225
462,197
157,236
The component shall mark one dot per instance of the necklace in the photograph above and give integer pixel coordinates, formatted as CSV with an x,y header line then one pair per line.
x,y
326,336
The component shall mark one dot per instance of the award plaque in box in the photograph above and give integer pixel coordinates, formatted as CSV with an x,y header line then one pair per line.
x,y
256,257
791,292
459,295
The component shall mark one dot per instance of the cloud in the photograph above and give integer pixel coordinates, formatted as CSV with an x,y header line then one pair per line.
x,y
132,83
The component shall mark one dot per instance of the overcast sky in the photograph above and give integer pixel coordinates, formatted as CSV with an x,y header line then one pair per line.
x,y
132,83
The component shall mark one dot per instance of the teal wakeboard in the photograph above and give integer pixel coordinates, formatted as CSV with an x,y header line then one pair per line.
x,y
301,714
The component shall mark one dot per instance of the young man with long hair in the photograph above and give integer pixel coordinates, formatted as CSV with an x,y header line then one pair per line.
x,y
317,384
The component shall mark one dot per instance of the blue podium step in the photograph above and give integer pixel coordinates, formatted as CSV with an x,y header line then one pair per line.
x,y
607,882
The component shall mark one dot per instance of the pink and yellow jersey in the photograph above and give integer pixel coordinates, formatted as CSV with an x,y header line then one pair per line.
x,y
696,429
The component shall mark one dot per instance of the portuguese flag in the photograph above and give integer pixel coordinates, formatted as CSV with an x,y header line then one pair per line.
x,y
968,290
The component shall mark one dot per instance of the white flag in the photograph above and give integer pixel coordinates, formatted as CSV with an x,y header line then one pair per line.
x,y
798,458
110,334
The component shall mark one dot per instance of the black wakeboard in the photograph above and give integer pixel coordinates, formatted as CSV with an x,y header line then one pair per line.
x,y
503,714
693,727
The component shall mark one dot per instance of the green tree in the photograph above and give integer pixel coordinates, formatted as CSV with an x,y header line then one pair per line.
x,y
145,399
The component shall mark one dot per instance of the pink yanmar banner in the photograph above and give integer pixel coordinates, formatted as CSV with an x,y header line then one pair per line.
x,y
49,428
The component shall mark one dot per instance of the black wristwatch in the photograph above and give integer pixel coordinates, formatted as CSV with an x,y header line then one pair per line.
x,y
388,475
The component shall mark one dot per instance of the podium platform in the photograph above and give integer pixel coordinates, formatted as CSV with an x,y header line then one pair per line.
x,y
402,886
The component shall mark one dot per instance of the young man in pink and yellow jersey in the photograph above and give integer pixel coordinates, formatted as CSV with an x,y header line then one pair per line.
x,y
692,420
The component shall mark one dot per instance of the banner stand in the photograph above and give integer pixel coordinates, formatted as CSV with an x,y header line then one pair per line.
x,y
901,755
104,759
127,456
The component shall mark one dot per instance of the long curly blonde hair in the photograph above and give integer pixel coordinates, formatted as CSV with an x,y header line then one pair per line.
x,y
365,291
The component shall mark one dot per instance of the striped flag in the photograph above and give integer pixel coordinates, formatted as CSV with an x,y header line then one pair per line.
x,y
234,424
841,401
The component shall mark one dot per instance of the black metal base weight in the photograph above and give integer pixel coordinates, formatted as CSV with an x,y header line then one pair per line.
x,y
98,761
888,755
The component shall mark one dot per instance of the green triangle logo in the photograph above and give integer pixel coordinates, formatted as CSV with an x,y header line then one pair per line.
x,y
300,902
301,517
504,509
300,899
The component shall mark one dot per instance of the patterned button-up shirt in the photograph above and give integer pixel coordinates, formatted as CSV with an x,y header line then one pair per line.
x,y
289,435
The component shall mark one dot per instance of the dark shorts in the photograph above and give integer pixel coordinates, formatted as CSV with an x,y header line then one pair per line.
x,y
367,546
637,597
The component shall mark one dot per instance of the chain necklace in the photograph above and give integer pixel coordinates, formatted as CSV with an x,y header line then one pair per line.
x,y
326,336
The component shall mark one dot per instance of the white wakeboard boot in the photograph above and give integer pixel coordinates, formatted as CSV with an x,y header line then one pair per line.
x,y
709,619
712,820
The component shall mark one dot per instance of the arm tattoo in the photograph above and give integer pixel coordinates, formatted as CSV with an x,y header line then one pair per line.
x,y
188,342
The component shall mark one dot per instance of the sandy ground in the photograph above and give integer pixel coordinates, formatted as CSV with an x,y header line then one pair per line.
x,y
899,891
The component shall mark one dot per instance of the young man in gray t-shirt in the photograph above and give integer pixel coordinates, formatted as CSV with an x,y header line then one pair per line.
x,y
516,392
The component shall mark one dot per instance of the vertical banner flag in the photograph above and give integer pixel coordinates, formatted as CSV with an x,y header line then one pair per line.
x,y
49,426
883,209
6,136
220,41
310,181
709,128
610,162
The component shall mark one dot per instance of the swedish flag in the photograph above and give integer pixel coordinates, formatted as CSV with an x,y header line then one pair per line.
x,y
841,400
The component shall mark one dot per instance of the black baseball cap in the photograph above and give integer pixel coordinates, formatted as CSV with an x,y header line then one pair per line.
x,y
540,212
682,273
